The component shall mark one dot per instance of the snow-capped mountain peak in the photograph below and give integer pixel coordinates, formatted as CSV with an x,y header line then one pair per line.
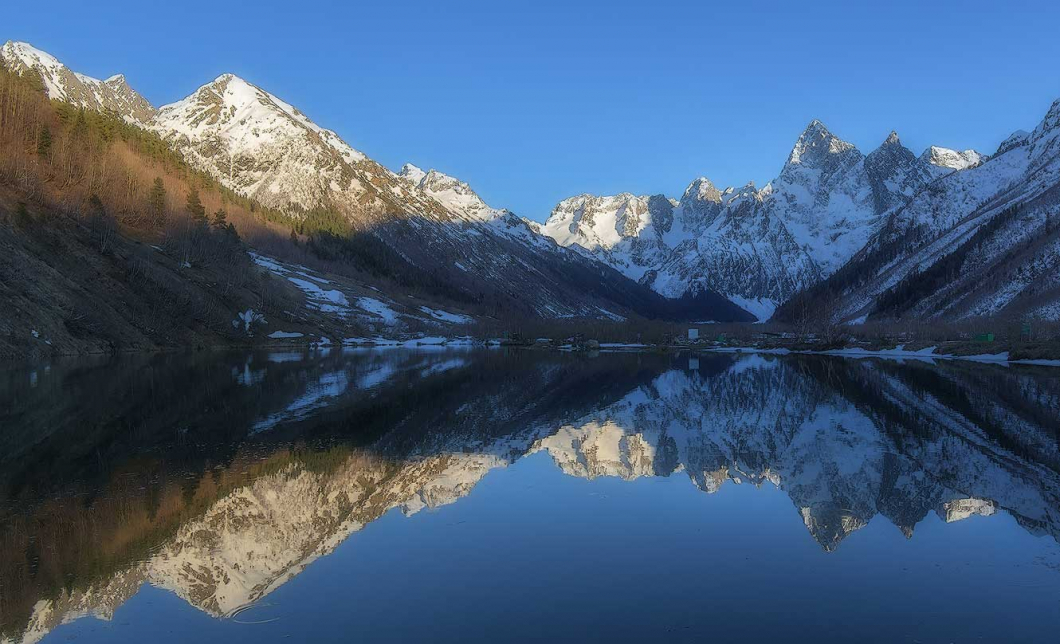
x,y
816,145
1045,139
598,222
952,159
243,111
412,173
259,144
63,84
1015,140
702,189
457,196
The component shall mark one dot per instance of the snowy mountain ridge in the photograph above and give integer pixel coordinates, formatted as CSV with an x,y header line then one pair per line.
x,y
62,84
434,228
997,220
830,205
757,247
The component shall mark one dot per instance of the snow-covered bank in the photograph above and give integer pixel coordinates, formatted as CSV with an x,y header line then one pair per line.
x,y
928,354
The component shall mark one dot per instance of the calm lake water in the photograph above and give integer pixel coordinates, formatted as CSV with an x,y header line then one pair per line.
x,y
495,496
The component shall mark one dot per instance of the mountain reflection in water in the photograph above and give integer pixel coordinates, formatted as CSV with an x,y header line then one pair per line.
x,y
222,477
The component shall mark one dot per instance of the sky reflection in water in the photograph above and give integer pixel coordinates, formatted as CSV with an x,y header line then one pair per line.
x,y
494,496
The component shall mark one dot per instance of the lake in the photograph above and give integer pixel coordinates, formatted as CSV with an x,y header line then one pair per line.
x,y
506,495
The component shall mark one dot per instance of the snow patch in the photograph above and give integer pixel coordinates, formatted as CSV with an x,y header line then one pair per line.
x,y
452,318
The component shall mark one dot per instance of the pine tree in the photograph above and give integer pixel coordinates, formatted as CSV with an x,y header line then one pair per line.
x,y
80,132
156,202
44,141
196,209
220,219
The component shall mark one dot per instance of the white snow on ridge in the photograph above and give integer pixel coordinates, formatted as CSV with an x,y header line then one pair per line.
x,y
761,308
456,196
321,299
453,318
49,66
757,247
377,308
251,117
952,159
63,84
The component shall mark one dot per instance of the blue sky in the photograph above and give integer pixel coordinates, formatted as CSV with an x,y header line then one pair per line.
x,y
532,102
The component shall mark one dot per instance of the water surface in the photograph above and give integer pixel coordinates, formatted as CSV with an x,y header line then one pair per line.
x,y
467,496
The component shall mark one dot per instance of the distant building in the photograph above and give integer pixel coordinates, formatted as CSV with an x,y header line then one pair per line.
x,y
693,334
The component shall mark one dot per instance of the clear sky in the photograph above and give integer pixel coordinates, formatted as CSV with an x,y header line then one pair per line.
x,y
531,102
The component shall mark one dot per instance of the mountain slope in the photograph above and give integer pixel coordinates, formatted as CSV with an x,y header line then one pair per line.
x,y
756,247
980,241
62,84
434,233
266,149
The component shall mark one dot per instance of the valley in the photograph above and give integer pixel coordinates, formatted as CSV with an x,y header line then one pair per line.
x,y
229,218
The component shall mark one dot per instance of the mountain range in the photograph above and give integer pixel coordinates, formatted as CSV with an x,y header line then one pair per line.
x,y
846,235
263,148
760,247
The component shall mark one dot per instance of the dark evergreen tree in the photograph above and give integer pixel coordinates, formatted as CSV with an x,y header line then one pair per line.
x,y
156,202
44,141
195,208
220,219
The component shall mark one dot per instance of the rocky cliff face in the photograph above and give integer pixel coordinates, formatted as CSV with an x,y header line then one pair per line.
x,y
980,240
870,224
63,84
433,225
758,247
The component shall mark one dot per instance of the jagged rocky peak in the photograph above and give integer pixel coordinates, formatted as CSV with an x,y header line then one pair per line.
x,y
701,201
63,84
817,147
894,173
457,196
952,159
1045,139
412,173
1015,140
1051,121
891,157
436,181
264,148
890,151
701,190
597,220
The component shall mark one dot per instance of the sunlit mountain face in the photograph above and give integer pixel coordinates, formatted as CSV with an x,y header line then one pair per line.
x,y
612,496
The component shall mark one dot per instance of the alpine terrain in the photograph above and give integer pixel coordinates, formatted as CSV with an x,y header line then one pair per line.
x,y
381,236
758,247
313,234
